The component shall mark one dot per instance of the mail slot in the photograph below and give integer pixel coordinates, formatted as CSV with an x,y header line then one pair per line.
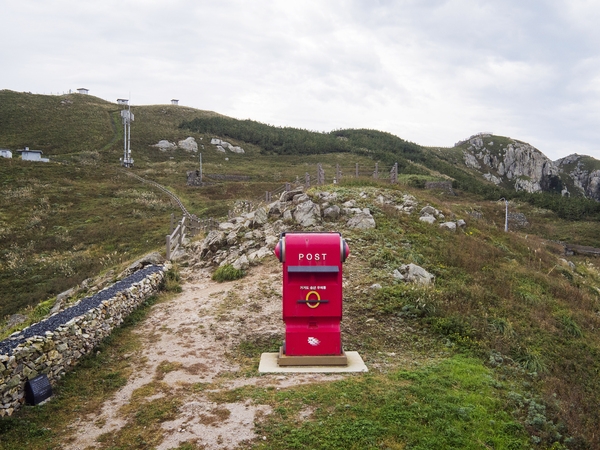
x,y
312,292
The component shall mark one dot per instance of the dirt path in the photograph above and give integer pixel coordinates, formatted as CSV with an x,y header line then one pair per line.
x,y
185,340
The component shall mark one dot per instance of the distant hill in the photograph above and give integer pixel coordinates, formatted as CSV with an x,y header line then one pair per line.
x,y
517,165
69,127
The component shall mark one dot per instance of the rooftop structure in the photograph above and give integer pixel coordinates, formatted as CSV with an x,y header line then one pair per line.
x,y
32,155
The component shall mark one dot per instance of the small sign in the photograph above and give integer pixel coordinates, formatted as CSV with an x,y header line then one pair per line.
x,y
37,390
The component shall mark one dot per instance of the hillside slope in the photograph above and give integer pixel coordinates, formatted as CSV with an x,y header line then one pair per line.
x,y
502,351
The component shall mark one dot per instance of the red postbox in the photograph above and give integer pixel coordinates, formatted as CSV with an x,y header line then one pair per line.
x,y
312,294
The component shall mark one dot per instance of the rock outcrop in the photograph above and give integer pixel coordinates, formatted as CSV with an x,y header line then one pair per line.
x,y
188,144
224,145
516,163
411,273
584,173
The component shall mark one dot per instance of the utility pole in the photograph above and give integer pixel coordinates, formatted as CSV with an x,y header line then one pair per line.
x,y
200,157
505,214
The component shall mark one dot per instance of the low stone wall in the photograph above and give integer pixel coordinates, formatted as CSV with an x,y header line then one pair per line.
x,y
55,352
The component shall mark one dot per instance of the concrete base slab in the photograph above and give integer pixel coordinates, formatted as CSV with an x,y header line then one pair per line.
x,y
268,364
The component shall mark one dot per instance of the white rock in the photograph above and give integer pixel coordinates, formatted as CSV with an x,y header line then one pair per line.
x,y
189,144
414,274
361,221
165,145
427,219
448,226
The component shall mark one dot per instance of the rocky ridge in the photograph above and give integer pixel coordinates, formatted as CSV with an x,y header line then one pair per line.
x,y
246,239
526,168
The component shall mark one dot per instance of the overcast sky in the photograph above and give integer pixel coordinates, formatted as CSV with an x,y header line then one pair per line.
x,y
430,71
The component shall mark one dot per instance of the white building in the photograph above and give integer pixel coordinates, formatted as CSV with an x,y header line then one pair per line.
x,y
174,101
122,101
5,153
32,155
83,90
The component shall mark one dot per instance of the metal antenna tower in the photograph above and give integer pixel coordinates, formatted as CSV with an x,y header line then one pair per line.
x,y
127,116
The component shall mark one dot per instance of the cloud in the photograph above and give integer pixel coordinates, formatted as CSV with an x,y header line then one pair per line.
x,y
430,71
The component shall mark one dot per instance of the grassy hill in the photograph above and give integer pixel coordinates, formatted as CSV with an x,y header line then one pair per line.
x,y
505,299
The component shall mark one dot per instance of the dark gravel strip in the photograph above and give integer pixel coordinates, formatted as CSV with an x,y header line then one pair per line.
x,y
86,304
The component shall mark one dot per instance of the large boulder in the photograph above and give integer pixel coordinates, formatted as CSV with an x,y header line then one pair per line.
x,y
287,196
332,212
189,144
411,273
275,208
307,214
361,221
241,263
260,217
213,242
165,146
451,226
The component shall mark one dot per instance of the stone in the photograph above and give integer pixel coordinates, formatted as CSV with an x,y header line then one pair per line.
x,y
451,226
461,223
327,196
287,216
146,260
349,204
165,146
260,254
412,273
220,149
361,221
188,144
427,219
260,217
300,198
429,211
226,226
213,242
241,263
275,209
332,212
307,214
271,240
287,196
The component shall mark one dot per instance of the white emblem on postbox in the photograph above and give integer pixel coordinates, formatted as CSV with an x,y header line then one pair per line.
x,y
313,341
312,256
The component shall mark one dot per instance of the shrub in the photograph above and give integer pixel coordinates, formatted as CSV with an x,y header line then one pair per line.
x,y
171,281
227,273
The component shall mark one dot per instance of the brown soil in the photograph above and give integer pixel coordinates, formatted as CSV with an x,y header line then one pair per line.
x,y
191,341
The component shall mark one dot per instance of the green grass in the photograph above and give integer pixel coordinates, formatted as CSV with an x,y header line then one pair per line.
x,y
504,296
455,403
82,391
227,273
62,224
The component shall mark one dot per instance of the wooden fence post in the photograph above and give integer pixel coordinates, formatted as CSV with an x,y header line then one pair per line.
x,y
320,174
376,173
306,180
168,255
394,174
